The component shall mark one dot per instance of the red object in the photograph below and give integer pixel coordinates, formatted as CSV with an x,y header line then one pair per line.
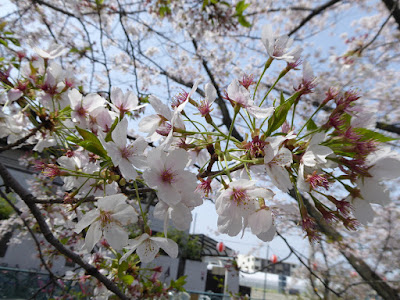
x,y
220,247
274,258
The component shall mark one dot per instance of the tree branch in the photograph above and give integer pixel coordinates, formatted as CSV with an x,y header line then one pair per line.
x,y
21,140
29,200
373,279
313,14
392,5
19,213
226,118
304,264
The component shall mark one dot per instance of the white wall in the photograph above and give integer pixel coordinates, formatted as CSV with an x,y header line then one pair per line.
x,y
24,255
196,272
169,267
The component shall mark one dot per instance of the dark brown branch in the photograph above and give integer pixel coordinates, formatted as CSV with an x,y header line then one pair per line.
x,y
29,200
392,5
388,127
361,49
56,8
226,118
22,140
313,14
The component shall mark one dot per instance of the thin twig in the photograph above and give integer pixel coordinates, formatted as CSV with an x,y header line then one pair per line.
x,y
304,264
19,213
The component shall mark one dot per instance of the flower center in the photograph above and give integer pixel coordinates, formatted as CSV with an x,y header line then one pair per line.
x,y
126,152
105,217
81,111
316,180
167,176
239,196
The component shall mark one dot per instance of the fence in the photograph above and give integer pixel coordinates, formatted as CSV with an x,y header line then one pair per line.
x,y
28,284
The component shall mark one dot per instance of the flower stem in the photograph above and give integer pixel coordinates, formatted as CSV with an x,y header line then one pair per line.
x,y
267,64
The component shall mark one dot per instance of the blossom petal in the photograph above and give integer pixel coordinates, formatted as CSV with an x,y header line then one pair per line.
x,y
149,124
268,235
116,236
160,107
176,159
373,192
181,216
147,250
229,225
119,133
386,168
260,112
260,221
160,210
125,214
168,245
211,93
108,203
93,235
86,220
127,170
280,177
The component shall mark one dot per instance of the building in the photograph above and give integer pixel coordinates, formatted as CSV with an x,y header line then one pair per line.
x,y
252,264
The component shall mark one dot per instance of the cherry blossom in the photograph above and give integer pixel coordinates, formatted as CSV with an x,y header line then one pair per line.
x,y
241,96
123,103
52,52
275,160
147,247
278,46
108,219
124,156
237,204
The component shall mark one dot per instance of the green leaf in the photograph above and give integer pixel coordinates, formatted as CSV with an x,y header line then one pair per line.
x,y
73,139
3,42
94,148
311,125
372,135
15,41
282,98
179,283
91,142
240,7
127,279
242,21
122,268
108,136
280,114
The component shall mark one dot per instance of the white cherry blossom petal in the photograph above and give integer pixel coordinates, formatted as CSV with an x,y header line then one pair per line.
x,y
147,250
116,236
260,221
268,235
168,245
93,235
86,220
260,112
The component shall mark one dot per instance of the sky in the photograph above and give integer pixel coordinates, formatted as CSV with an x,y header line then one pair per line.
x,y
205,222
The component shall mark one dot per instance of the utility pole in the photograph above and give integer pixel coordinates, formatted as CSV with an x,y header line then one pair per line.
x,y
265,275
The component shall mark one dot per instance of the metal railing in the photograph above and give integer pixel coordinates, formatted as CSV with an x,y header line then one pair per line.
x,y
32,284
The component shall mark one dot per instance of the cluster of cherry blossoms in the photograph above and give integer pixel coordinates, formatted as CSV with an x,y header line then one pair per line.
x,y
184,158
